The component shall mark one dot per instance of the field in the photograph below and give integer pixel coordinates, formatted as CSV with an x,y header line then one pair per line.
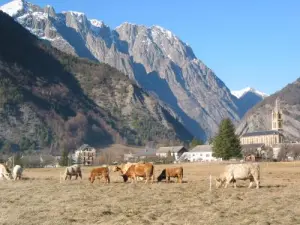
x,y
41,199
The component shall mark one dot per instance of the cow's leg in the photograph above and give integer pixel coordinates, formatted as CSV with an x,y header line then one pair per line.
x,y
168,179
108,179
76,176
66,177
257,183
234,183
251,182
228,180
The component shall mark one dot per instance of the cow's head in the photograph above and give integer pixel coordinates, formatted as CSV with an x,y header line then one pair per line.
x,y
162,175
116,168
219,182
91,179
125,177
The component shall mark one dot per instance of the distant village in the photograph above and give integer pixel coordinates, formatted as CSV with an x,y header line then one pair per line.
x,y
259,145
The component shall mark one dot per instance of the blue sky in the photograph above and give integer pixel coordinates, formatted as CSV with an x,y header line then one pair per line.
x,y
246,43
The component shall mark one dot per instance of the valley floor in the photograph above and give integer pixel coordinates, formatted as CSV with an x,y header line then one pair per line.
x,y
41,199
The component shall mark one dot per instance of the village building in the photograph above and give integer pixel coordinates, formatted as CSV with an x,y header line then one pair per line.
x,y
202,153
175,151
268,137
141,155
85,155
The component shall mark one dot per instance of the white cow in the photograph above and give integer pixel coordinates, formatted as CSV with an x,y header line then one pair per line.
x,y
234,172
74,170
4,172
17,172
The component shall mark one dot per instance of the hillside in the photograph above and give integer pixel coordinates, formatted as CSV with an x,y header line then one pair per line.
x,y
49,98
153,57
259,118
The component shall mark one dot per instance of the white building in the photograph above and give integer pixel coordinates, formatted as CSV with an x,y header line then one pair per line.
x,y
175,151
86,155
202,153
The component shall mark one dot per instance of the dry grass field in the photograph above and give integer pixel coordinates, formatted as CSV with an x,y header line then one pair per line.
x,y
41,199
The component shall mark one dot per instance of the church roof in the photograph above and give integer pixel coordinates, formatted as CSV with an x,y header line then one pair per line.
x,y
260,133
253,146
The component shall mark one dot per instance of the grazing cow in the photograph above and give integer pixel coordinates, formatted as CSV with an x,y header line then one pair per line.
x,y
234,172
99,173
171,172
5,172
123,169
74,170
17,172
145,170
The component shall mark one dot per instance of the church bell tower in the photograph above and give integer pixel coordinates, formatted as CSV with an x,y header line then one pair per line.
x,y
277,120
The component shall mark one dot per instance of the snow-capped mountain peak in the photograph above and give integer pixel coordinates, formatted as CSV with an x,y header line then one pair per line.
x,y
14,7
242,92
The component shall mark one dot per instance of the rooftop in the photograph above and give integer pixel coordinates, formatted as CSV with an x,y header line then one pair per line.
x,y
252,146
202,148
259,133
171,149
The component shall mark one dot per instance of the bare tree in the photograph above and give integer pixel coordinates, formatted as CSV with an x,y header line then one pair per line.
x,y
106,157
295,151
284,152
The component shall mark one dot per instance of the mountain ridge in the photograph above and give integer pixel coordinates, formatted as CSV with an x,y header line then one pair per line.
x,y
155,58
65,101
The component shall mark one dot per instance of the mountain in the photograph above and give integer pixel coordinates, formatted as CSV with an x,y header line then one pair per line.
x,y
239,94
260,116
153,57
247,99
49,98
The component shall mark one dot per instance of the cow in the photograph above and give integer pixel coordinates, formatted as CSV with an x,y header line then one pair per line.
x,y
99,173
171,172
123,169
234,172
74,170
17,172
145,170
5,172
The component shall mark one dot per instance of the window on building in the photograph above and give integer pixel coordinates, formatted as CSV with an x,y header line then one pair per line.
x,y
207,155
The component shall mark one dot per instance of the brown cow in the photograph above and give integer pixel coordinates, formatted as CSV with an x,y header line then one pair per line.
x,y
171,172
124,167
145,170
99,173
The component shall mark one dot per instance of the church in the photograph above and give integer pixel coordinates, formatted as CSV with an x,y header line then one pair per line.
x,y
268,137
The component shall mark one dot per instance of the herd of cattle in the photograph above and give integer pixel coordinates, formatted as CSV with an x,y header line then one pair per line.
x,y
145,171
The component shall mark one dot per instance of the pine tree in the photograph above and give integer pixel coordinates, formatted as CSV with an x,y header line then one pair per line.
x,y
64,160
79,159
226,144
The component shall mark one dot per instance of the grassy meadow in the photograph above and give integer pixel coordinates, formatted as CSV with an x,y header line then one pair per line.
x,y
40,198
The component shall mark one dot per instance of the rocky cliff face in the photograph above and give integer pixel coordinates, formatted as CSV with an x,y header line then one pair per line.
x,y
153,57
48,97
259,118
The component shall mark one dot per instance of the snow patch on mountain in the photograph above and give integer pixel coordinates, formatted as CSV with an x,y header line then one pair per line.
x,y
13,8
242,92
